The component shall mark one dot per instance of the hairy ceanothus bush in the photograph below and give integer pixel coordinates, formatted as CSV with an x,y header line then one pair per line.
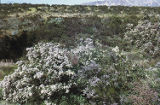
x,y
145,35
107,77
46,74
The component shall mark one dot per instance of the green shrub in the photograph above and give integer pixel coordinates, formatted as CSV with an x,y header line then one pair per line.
x,y
1,96
72,100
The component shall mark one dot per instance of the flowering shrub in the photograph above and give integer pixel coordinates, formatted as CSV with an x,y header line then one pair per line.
x,y
87,74
46,74
104,73
145,35
107,81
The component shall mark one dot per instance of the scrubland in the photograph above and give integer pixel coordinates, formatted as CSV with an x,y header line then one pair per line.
x,y
79,55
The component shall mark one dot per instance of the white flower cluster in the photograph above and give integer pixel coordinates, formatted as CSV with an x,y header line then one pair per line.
x,y
49,103
116,50
46,72
84,50
145,35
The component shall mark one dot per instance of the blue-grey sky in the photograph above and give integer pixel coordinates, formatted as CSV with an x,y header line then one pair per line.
x,y
68,2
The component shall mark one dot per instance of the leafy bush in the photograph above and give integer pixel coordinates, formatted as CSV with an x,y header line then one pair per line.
x,y
72,100
1,96
153,74
12,47
108,77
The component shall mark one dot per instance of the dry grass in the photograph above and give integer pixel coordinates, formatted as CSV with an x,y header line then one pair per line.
x,y
143,95
6,67
154,61
5,63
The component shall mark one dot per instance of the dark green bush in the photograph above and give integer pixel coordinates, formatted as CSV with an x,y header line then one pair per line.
x,y
1,96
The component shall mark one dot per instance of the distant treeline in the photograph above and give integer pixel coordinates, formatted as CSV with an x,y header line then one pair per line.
x,y
10,8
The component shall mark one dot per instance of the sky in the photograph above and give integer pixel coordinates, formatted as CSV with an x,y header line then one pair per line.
x,y
67,2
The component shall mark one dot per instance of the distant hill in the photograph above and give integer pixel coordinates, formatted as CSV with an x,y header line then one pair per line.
x,y
152,3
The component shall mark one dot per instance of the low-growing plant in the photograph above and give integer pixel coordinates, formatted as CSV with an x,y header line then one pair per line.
x,y
72,100
153,77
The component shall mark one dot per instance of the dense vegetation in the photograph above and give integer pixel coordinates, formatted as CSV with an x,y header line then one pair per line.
x,y
80,55
44,22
